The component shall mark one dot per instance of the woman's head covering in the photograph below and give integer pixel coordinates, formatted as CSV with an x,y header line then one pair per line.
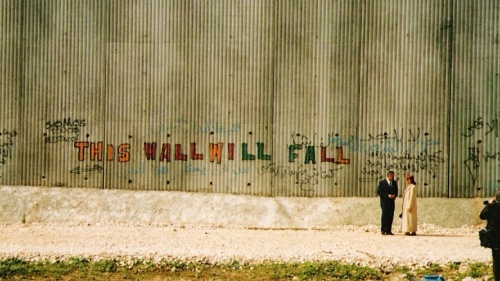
x,y
411,177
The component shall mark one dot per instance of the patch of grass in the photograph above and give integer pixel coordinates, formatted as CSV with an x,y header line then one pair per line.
x,y
78,263
276,270
453,266
105,266
83,269
432,268
334,270
476,270
14,266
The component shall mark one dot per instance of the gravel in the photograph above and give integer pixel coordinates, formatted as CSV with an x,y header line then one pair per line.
x,y
350,244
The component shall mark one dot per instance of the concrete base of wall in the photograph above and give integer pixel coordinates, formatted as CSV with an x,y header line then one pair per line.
x,y
19,204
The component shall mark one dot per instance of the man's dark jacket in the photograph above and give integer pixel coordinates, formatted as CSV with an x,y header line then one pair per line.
x,y
383,190
491,213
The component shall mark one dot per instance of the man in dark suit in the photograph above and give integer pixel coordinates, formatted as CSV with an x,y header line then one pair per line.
x,y
388,191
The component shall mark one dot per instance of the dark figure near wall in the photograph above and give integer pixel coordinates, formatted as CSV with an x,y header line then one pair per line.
x,y
387,190
491,213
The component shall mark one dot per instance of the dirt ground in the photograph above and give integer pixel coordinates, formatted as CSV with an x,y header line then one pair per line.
x,y
351,244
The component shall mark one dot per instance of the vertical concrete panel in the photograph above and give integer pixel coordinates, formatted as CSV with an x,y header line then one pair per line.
x,y
229,97
146,82
316,84
404,94
167,65
63,90
474,168
10,92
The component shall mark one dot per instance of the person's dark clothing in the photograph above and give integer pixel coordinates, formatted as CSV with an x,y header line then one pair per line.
x,y
496,263
385,189
491,213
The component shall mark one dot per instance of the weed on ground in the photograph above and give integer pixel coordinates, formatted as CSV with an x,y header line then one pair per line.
x,y
83,269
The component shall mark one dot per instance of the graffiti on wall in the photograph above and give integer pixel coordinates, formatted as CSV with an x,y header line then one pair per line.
x,y
380,162
65,130
158,169
311,158
400,150
97,151
6,144
482,130
382,152
232,173
306,156
87,169
302,175
401,141
215,152
140,168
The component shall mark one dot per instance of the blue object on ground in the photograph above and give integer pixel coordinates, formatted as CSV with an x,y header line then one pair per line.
x,y
431,277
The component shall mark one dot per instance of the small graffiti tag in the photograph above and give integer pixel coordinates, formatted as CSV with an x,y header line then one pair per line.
x,y
302,175
6,144
66,130
87,169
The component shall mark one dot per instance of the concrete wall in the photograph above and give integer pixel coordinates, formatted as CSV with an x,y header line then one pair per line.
x,y
98,206
293,98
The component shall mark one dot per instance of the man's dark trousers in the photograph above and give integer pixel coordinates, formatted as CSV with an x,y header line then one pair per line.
x,y
496,264
387,216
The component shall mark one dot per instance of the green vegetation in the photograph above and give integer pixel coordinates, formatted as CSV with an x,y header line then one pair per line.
x,y
83,269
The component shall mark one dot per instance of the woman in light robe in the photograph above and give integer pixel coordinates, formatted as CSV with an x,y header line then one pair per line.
x,y
409,210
